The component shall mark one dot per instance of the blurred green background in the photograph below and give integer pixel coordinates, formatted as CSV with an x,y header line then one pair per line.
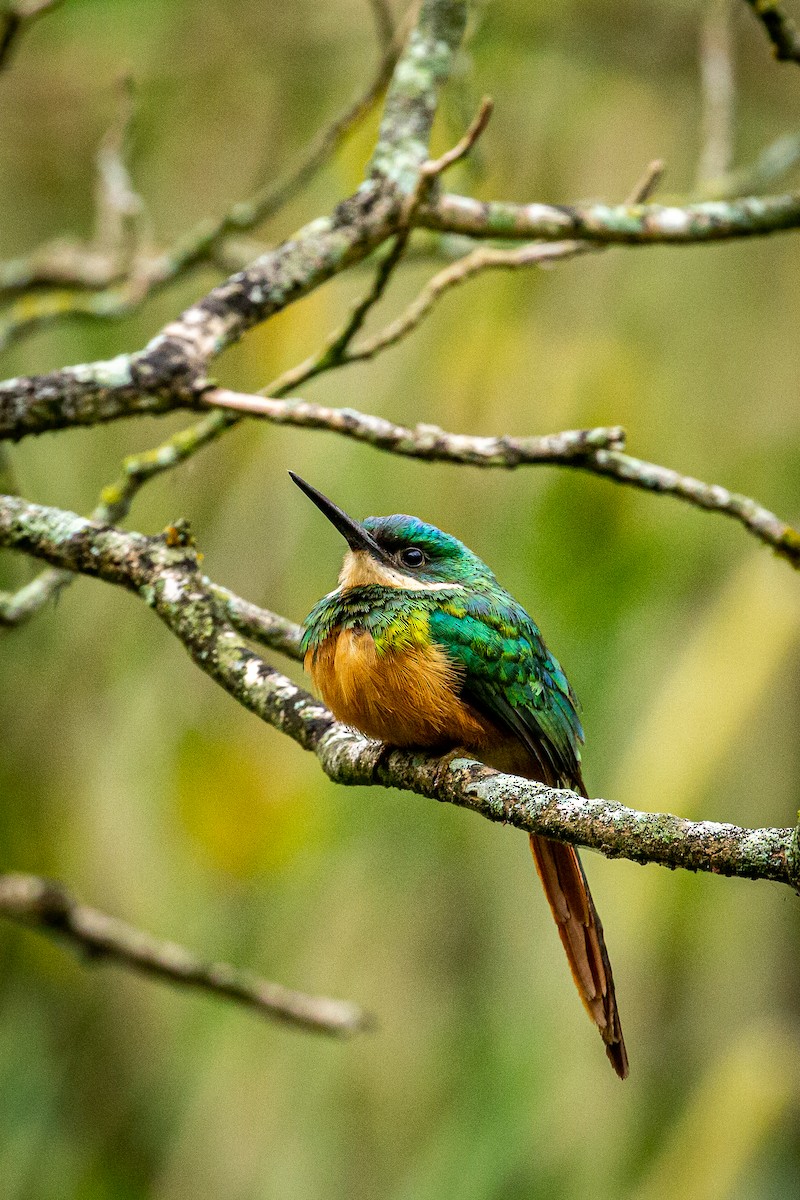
x,y
128,775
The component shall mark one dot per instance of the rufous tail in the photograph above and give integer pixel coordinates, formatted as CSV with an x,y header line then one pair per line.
x,y
581,933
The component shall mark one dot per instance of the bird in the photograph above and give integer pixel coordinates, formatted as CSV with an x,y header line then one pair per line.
x,y
419,646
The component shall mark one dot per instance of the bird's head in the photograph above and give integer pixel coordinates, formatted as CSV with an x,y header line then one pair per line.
x,y
400,551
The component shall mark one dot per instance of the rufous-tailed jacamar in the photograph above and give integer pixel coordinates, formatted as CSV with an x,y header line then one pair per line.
x,y
420,646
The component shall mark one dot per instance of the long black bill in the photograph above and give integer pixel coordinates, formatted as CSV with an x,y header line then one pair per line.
x,y
353,533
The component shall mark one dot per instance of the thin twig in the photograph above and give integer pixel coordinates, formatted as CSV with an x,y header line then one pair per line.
x,y
47,907
597,451
65,262
647,183
485,258
437,166
114,505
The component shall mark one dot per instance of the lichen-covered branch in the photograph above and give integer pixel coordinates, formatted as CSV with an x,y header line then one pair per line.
x,y
114,505
635,472
171,371
423,68
89,282
484,258
598,451
621,224
427,442
164,572
47,907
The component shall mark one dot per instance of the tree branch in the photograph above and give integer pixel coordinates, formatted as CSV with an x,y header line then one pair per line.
x,y
69,264
633,225
49,908
597,451
171,370
164,572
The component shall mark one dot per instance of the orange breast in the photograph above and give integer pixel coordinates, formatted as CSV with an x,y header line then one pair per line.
x,y
407,698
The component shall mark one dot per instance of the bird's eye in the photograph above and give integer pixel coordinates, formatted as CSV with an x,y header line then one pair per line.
x,y
412,557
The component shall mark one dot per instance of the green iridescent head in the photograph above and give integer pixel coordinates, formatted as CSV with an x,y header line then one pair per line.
x,y
404,546
425,552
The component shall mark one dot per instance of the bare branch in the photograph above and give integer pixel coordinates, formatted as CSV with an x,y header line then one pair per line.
x,y
165,574
67,262
48,908
781,30
427,442
90,281
598,451
437,166
482,259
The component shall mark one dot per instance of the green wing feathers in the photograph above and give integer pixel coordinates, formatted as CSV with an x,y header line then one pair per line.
x,y
510,675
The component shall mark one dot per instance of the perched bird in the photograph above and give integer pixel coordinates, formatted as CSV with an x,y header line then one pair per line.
x,y
420,646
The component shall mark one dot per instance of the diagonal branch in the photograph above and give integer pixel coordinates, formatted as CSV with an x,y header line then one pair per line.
x,y
597,451
46,906
66,263
171,370
164,572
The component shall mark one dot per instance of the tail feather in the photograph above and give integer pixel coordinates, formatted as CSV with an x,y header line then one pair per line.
x,y
581,934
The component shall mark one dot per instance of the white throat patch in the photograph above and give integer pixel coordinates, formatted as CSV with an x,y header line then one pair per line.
x,y
360,569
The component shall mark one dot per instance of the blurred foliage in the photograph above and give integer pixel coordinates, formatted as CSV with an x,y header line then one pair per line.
x,y
127,774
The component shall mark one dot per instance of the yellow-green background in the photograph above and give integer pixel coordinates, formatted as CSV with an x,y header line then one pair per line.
x,y
128,775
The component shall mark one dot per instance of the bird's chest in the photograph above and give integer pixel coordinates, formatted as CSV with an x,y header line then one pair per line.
x,y
407,697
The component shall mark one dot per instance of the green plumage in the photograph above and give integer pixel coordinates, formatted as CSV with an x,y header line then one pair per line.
x,y
454,661
506,671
